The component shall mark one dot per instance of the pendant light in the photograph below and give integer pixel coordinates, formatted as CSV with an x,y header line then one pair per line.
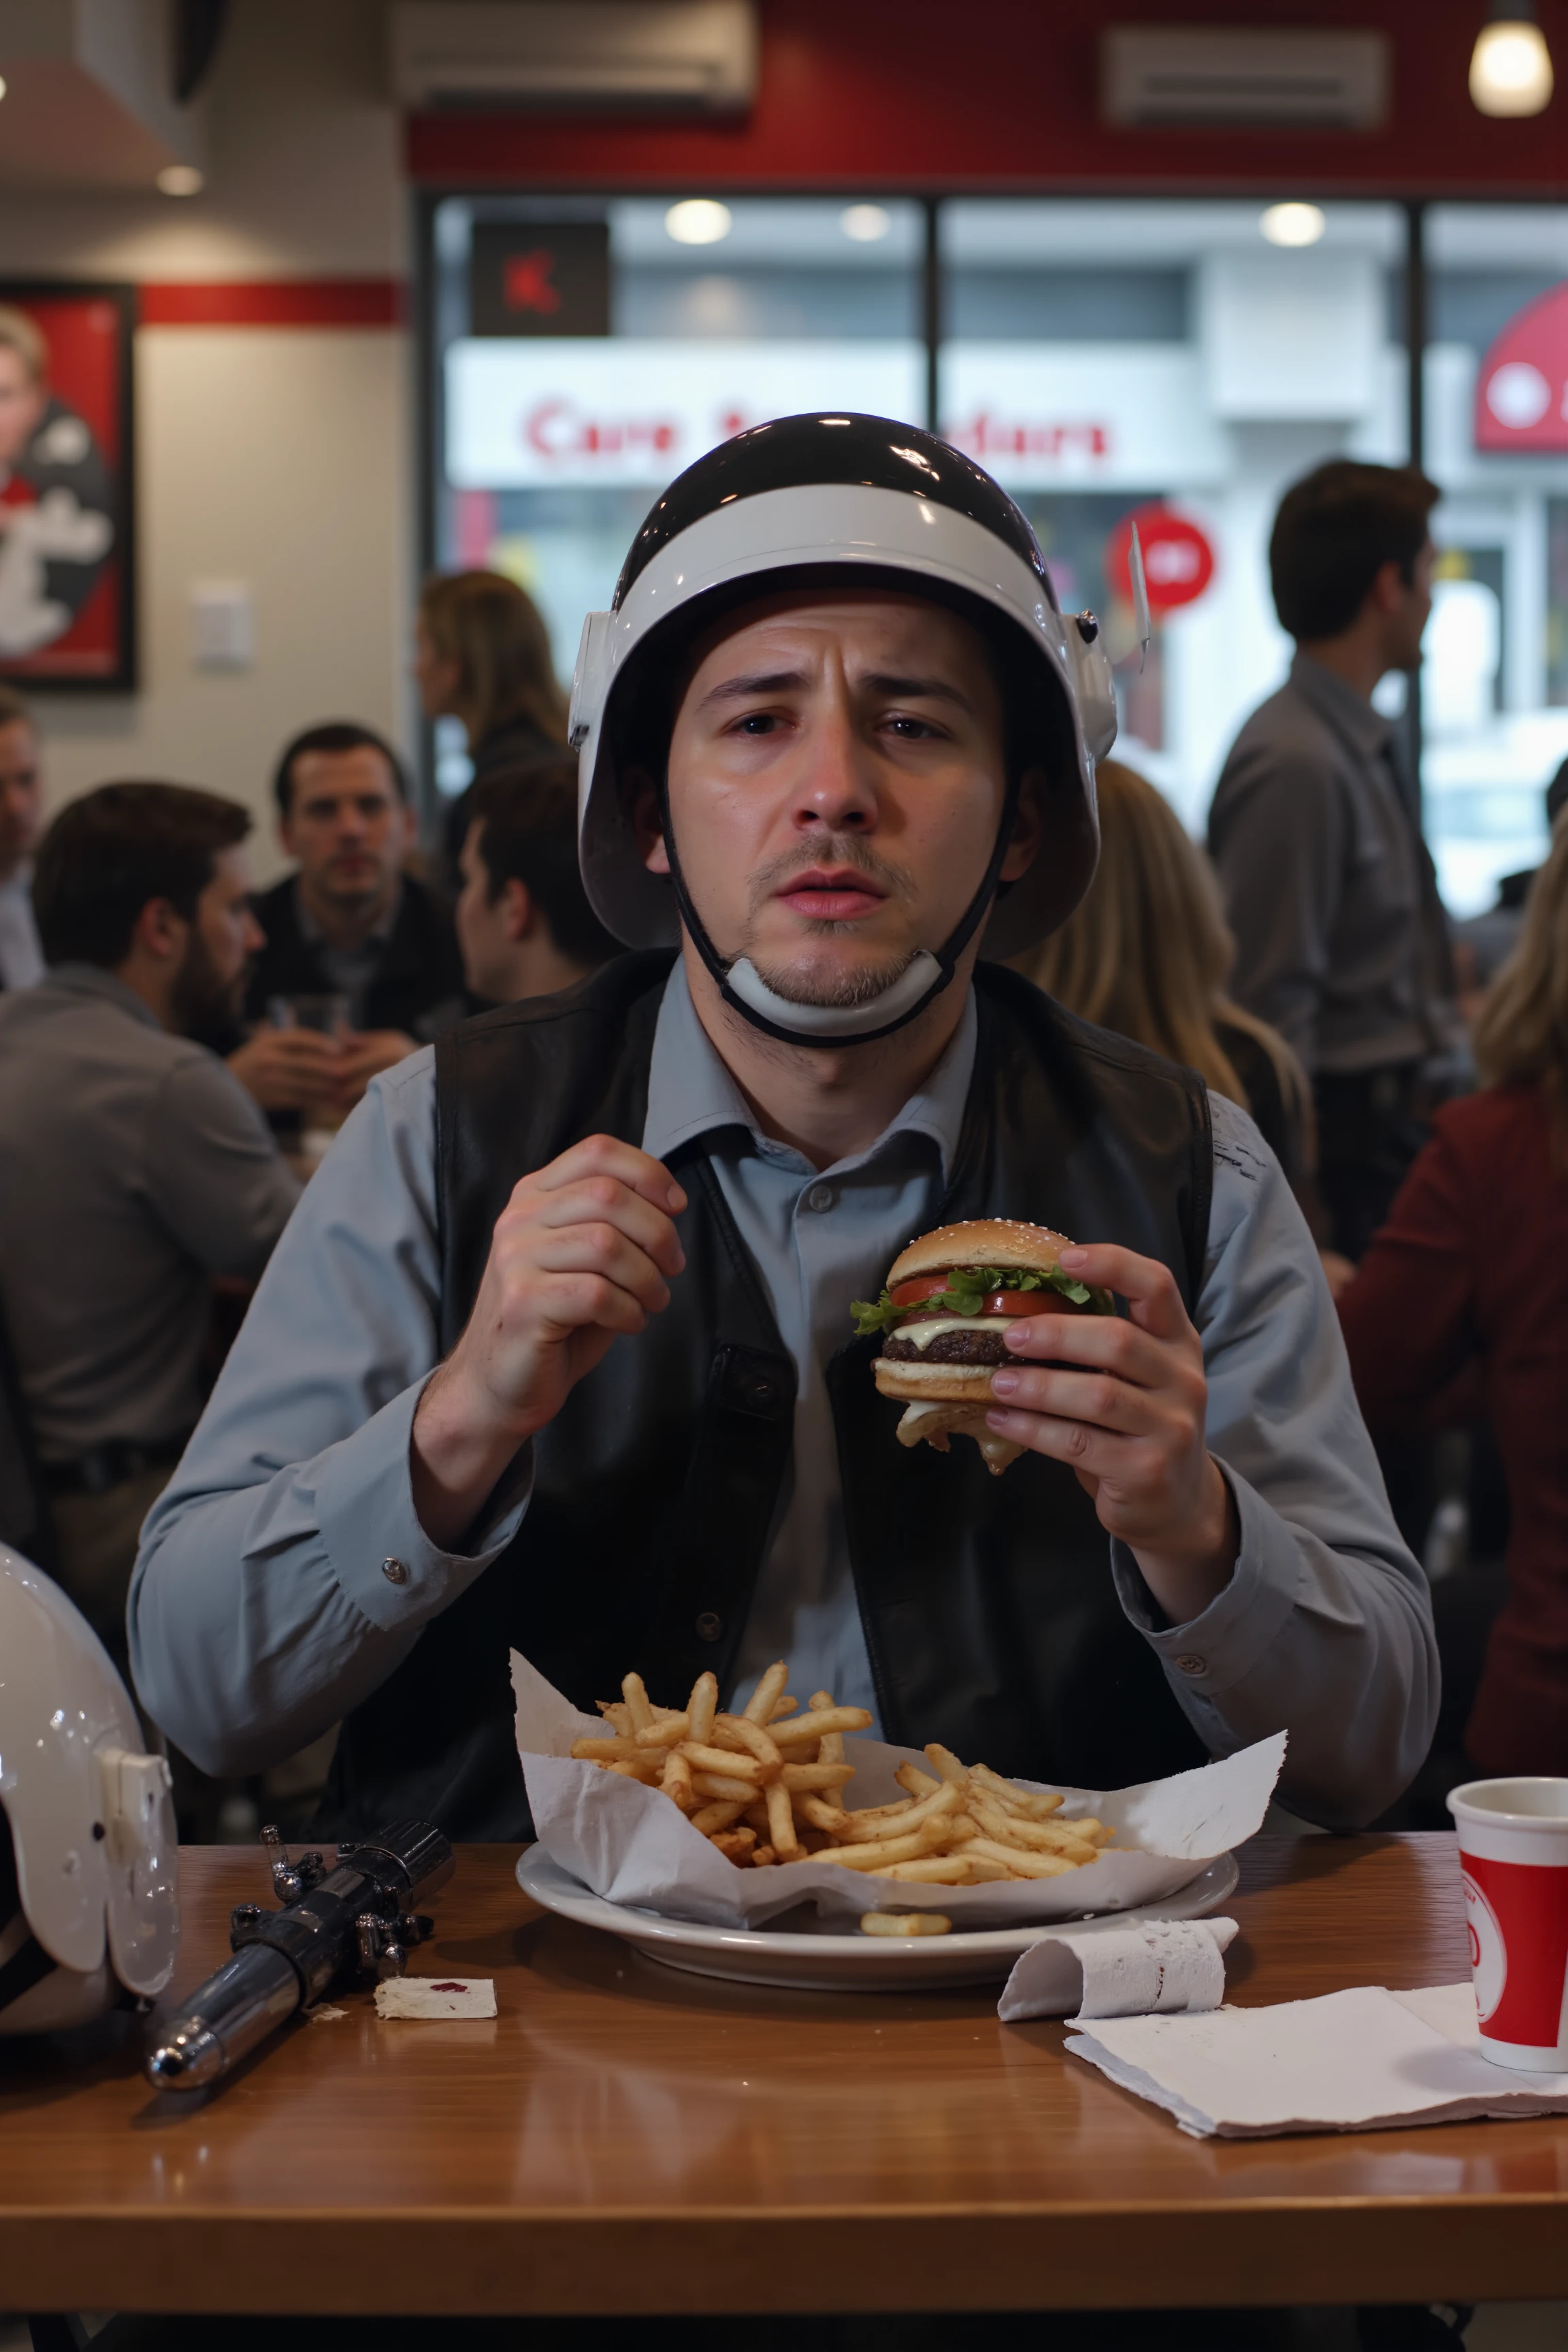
x,y
1511,67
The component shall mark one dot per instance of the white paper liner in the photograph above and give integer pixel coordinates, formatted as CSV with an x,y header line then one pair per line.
x,y
629,1844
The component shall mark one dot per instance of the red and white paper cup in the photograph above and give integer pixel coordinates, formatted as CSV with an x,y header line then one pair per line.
x,y
1513,1853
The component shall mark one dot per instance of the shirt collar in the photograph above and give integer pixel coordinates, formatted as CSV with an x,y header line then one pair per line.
x,y
690,1092
92,980
1365,729
381,929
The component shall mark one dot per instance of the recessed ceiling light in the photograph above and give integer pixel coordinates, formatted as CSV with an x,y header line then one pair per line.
x,y
865,224
698,221
180,180
1510,65
1,85
1293,224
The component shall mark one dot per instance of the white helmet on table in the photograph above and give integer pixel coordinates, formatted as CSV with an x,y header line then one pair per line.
x,y
88,1858
828,501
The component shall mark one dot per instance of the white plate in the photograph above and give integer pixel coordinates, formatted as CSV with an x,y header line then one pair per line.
x,y
816,1956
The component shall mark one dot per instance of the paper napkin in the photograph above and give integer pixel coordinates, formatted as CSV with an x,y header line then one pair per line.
x,y
1147,1967
1365,2060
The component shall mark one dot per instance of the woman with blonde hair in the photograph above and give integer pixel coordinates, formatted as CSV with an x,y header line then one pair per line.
x,y
482,654
1469,1277
1147,953
483,657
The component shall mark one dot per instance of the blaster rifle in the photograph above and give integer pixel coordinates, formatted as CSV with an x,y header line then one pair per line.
x,y
358,1916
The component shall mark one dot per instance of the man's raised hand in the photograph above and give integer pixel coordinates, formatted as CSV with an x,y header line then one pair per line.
x,y
585,1249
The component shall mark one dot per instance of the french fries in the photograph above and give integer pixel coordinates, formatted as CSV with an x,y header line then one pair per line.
x,y
905,1923
767,1786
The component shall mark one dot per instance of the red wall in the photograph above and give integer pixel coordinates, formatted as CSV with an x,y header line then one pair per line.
x,y
1001,94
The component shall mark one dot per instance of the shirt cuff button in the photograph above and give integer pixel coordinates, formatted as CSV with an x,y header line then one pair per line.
x,y
1191,1665
395,1571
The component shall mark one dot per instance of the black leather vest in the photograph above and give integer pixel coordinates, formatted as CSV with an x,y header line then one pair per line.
x,y
987,1603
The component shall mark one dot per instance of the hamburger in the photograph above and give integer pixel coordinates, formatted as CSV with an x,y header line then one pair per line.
x,y
944,1315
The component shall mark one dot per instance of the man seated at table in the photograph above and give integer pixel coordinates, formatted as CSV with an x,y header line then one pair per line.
x,y
524,924
133,1168
568,1366
349,922
21,812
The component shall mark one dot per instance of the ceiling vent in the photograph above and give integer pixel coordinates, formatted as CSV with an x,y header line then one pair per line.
x,y
672,56
1224,74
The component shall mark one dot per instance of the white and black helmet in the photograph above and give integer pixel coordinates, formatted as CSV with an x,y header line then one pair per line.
x,y
831,501
88,1902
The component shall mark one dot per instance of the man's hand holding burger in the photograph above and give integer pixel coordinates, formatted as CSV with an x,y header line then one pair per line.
x,y
585,1249
1006,1332
1128,1416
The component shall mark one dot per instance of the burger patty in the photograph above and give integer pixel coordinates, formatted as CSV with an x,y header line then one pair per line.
x,y
950,1347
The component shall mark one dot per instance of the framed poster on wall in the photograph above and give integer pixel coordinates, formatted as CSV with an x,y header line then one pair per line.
x,y
67,605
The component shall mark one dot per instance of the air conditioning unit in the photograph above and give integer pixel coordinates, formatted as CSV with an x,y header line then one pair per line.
x,y
1231,74
687,56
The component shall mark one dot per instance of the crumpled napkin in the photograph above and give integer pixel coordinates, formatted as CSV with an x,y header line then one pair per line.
x,y
1147,1966
1364,2060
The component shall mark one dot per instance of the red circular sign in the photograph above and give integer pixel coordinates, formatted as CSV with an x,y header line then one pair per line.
x,y
1521,390
1178,561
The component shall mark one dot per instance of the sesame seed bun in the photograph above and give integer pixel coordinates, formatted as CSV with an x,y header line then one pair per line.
x,y
983,1241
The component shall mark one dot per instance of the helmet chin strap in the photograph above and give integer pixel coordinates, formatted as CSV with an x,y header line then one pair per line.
x,y
922,980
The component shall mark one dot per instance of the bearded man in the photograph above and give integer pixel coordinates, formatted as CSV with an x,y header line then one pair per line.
x,y
557,1354
135,1166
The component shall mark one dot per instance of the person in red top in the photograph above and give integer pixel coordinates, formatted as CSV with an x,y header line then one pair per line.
x,y
1471,1272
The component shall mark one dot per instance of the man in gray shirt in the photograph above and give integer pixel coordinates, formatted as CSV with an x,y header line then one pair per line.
x,y
135,1167
557,1352
1340,938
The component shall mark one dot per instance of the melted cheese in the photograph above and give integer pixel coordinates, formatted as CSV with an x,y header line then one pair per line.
x,y
923,1332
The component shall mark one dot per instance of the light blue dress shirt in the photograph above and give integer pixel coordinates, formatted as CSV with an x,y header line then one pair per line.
x,y
260,1613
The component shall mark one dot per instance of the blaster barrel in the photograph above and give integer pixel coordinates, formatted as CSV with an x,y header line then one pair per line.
x,y
358,1913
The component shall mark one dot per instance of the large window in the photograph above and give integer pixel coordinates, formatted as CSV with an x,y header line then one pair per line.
x,y
585,353
1170,363
1495,680
1178,364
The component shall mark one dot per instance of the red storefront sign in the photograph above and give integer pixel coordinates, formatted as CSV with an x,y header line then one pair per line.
x,y
1521,392
1178,561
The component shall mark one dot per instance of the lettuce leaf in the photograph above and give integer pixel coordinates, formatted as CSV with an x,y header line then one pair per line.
x,y
966,1291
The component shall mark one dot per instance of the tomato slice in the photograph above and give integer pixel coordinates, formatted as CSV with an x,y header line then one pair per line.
x,y
1000,1302
923,1285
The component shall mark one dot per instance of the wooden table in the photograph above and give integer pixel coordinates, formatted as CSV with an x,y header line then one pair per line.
x,y
624,2139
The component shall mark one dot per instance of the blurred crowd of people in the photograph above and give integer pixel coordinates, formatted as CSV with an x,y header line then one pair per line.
x,y
177,1048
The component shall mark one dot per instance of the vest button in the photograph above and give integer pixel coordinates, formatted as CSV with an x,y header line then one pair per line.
x,y
709,1626
395,1571
1192,1666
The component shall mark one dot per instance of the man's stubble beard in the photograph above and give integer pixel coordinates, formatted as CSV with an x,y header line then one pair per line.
x,y
358,900
203,1001
803,980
